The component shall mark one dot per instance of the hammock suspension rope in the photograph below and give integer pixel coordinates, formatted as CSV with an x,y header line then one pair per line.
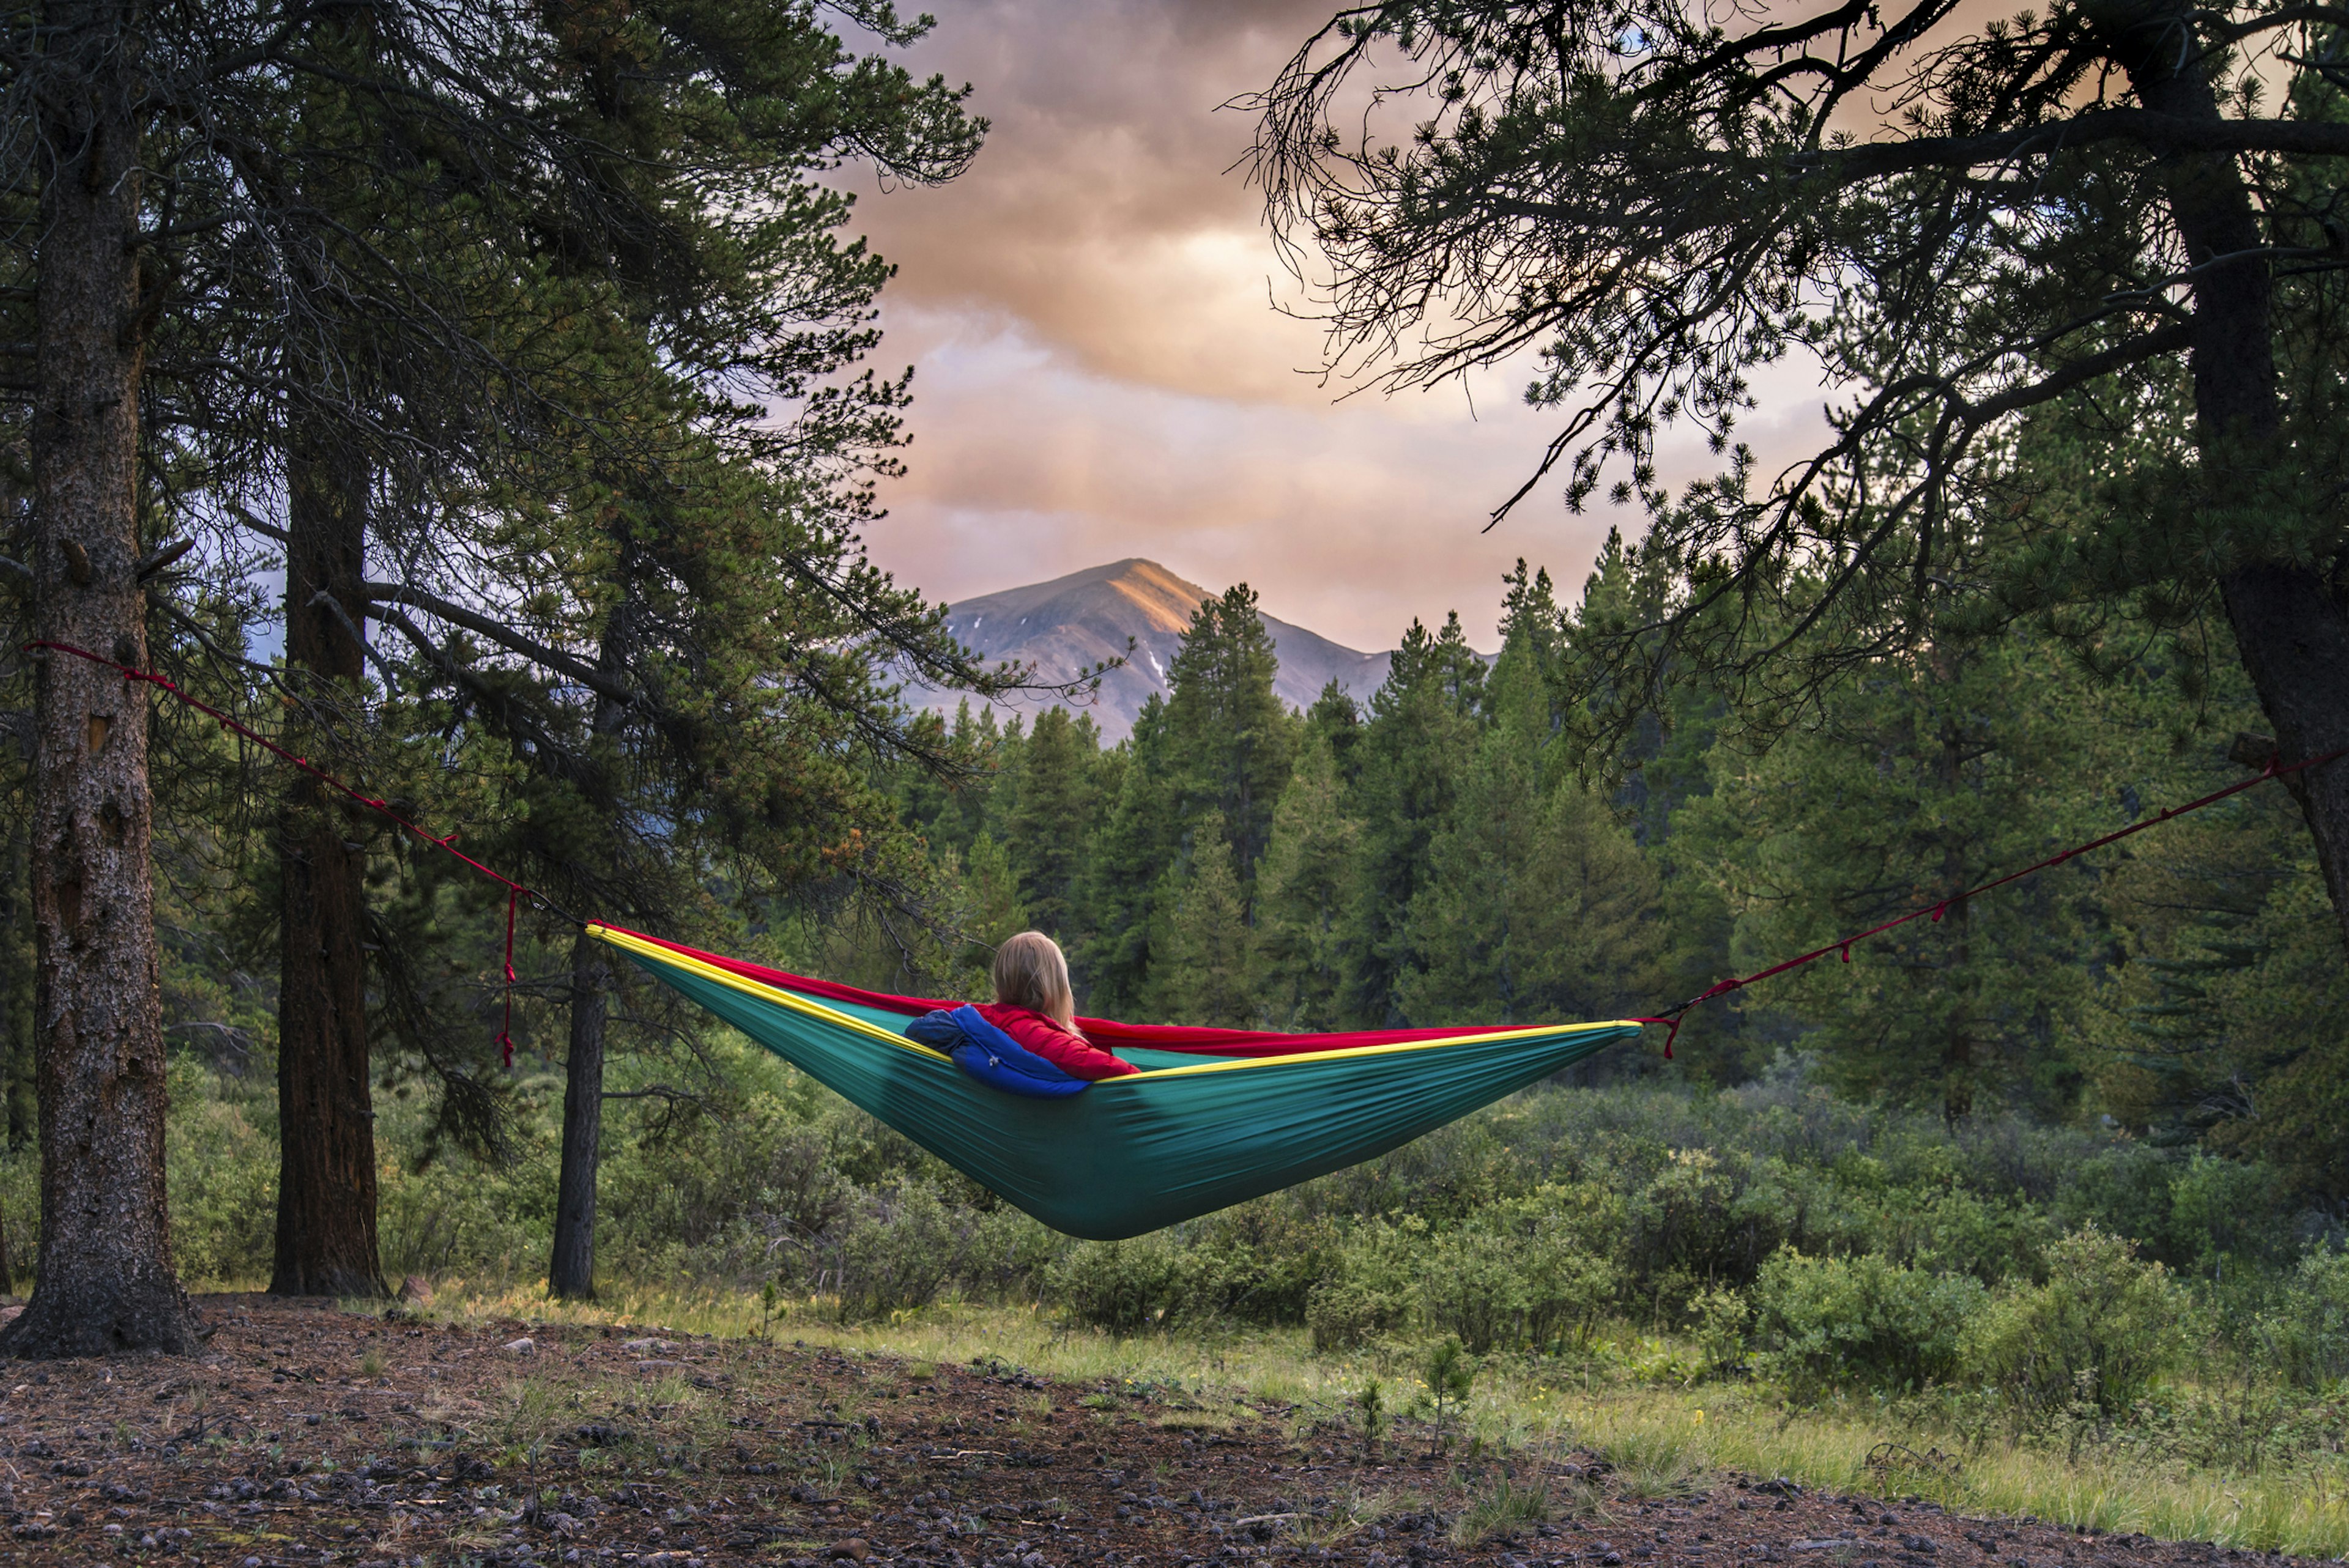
x,y
2276,769
515,891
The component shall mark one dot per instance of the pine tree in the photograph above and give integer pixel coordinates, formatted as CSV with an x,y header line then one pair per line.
x,y
1654,766
1337,718
487,298
1926,778
1050,825
950,807
1537,907
1422,727
1234,737
2223,995
1533,633
1660,204
1136,844
1301,889
995,910
1200,976
80,102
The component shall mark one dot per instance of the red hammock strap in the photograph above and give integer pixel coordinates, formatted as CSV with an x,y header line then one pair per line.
x,y
515,891
2276,769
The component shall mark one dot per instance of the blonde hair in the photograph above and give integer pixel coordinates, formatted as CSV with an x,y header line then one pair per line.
x,y
1031,972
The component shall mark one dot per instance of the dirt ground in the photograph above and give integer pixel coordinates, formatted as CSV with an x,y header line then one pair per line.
x,y
309,1436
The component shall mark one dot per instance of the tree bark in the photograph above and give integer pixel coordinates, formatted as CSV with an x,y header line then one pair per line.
x,y
2290,628
2289,619
326,1177
105,1280
570,1276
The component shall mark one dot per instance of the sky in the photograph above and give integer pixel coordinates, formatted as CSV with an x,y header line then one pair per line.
x,y
1100,371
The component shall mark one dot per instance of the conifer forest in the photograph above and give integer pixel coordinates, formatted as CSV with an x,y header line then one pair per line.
x,y
440,442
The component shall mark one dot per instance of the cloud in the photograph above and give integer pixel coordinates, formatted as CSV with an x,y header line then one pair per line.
x,y
1349,520
1102,372
1101,212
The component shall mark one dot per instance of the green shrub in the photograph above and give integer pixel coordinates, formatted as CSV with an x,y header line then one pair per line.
x,y
1573,1274
2306,1331
2121,1188
1010,1255
1371,1287
1124,1287
1257,1262
2105,1327
1949,1228
724,1198
1473,1287
1529,1270
1347,1314
1699,1219
2227,1212
20,1211
220,1172
1827,1324
1719,1319
439,1211
453,1217
898,1251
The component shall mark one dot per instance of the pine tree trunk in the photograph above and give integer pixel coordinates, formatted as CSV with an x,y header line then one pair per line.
x,y
326,1177
570,1276
105,1276
2291,623
571,1272
2293,630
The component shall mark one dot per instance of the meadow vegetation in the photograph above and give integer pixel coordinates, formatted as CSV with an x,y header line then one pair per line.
x,y
1996,1315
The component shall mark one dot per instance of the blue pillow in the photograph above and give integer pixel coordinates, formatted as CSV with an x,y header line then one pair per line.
x,y
992,1056
936,1031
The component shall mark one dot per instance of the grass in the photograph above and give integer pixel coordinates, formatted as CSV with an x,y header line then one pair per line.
x,y
1661,1437
1500,1509
1204,1421
1652,1463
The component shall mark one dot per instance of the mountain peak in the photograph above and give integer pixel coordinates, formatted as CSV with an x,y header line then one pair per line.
x,y
1069,623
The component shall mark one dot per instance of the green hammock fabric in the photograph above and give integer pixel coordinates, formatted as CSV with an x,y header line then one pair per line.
x,y
1189,1134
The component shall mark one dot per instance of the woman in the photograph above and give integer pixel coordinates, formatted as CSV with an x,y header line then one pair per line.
x,y
1035,1006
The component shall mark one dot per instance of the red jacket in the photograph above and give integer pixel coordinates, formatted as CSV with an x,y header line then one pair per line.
x,y
1063,1047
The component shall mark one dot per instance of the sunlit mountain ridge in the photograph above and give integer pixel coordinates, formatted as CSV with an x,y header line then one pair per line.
x,y
1071,624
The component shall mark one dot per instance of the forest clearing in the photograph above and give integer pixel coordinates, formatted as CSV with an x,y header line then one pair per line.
x,y
306,1435
1691,1347
601,960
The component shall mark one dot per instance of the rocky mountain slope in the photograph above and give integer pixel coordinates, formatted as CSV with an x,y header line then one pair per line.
x,y
1072,623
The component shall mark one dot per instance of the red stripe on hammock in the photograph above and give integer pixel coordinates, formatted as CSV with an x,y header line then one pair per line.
x,y
1100,1031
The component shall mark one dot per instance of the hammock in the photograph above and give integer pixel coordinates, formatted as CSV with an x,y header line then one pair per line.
x,y
1214,1116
